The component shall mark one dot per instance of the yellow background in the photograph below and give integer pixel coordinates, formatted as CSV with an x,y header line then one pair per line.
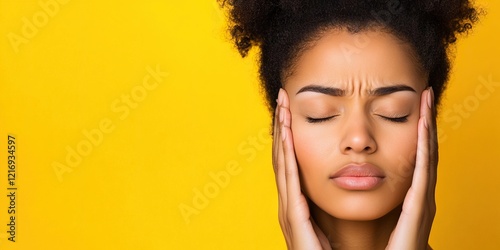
x,y
204,117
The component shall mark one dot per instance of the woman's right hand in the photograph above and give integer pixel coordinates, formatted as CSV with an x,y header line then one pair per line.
x,y
299,229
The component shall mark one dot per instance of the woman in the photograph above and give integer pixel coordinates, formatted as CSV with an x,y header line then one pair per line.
x,y
354,87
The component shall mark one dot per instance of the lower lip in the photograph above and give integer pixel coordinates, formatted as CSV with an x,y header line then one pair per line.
x,y
357,183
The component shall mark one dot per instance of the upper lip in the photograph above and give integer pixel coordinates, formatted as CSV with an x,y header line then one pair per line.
x,y
359,170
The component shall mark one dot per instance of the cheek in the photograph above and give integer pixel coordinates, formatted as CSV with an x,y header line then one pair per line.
x,y
315,148
306,149
312,144
310,160
400,149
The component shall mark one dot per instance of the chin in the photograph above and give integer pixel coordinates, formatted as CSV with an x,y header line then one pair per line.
x,y
359,205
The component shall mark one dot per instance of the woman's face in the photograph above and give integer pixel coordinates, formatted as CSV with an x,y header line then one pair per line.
x,y
354,100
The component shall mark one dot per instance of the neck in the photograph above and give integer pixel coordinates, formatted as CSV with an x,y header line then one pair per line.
x,y
347,234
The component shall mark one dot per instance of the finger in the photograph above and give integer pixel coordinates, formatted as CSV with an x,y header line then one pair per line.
x,y
421,173
278,159
281,177
281,164
433,144
291,170
430,212
279,167
323,239
275,138
425,230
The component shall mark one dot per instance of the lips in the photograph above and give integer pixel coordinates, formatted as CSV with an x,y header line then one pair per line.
x,y
358,177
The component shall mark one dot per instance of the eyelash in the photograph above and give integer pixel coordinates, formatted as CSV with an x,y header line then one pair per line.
x,y
319,120
401,119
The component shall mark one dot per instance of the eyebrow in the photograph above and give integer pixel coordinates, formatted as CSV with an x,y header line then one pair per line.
x,y
391,89
322,89
332,91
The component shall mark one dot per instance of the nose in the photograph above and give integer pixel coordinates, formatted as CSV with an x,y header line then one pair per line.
x,y
358,138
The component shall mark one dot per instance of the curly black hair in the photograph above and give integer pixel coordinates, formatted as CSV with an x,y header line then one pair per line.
x,y
283,28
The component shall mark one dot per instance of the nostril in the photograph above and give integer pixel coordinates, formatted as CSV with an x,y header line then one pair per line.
x,y
356,143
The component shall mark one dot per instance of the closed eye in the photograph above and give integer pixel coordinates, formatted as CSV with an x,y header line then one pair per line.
x,y
319,120
401,119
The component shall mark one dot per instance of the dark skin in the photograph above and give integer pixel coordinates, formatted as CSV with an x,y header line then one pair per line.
x,y
407,224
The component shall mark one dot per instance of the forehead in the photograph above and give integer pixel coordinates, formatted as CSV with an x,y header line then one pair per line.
x,y
371,56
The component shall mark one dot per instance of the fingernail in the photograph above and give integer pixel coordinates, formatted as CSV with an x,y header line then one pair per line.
x,y
280,97
283,133
430,98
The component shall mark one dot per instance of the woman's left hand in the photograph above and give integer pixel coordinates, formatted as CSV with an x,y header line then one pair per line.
x,y
419,207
